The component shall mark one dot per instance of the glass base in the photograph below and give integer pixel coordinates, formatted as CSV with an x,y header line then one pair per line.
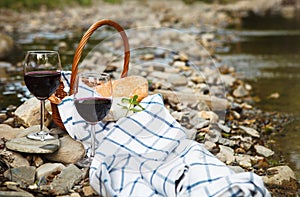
x,y
41,136
85,162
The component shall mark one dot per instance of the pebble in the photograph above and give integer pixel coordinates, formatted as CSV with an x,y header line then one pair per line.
x,y
261,150
63,182
250,131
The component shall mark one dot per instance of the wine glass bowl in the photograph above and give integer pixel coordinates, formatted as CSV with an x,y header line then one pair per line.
x,y
42,72
92,100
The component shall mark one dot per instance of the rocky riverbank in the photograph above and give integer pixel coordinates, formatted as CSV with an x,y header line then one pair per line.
x,y
201,92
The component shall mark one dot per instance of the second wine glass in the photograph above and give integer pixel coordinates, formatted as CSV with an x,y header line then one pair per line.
x,y
93,100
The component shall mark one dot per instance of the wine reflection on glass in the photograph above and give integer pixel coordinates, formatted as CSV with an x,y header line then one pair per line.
x,y
93,100
42,73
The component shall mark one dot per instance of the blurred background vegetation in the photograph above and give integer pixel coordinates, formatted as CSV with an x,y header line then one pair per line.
x,y
36,4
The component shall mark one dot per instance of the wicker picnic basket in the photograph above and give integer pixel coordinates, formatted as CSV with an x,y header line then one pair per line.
x,y
60,93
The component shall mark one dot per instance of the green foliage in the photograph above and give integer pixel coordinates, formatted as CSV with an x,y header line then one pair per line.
x,y
134,104
210,1
113,1
36,4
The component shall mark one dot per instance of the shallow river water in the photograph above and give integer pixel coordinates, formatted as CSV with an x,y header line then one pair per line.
x,y
267,54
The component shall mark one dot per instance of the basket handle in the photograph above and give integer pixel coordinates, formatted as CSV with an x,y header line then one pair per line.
x,y
84,40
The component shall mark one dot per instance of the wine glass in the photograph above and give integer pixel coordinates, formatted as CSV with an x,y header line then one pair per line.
x,y
42,72
93,100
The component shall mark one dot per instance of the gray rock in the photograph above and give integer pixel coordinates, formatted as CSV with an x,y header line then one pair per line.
x,y
228,79
65,181
250,131
69,152
281,177
26,145
224,128
240,91
24,175
213,135
47,169
244,161
209,145
28,113
209,115
261,150
226,154
16,193
9,132
14,159
7,47
177,80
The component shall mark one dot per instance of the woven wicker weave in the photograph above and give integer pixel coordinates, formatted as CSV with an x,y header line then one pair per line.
x,y
60,93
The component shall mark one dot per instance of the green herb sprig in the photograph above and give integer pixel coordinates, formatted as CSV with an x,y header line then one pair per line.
x,y
134,104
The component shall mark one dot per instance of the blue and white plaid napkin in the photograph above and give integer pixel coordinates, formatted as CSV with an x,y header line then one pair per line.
x,y
148,154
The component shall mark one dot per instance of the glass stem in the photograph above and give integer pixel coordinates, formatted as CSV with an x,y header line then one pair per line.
x,y
93,136
42,115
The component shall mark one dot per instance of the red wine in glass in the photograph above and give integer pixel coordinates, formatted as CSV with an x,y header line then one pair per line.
x,y
42,72
93,109
42,84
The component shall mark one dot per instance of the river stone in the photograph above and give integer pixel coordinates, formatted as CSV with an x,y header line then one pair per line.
x,y
28,113
226,154
261,150
65,181
14,159
244,160
281,177
47,169
9,132
69,152
240,91
24,175
15,193
250,131
7,46
26,145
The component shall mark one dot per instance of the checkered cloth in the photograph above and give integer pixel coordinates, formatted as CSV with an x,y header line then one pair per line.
x,y
148,154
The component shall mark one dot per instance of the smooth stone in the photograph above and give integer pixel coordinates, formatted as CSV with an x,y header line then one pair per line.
x,y
177,80
240,91
24,175
47,169
281,177
14,159
228,80
29,130
224,128
15,193
226,154
88,191
9,132
7,46
28,113
63,182
26,145
244,160
209,115
69,152
264,151
250,131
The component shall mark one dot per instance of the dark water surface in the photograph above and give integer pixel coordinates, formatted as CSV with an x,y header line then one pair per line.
x,y
267,54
